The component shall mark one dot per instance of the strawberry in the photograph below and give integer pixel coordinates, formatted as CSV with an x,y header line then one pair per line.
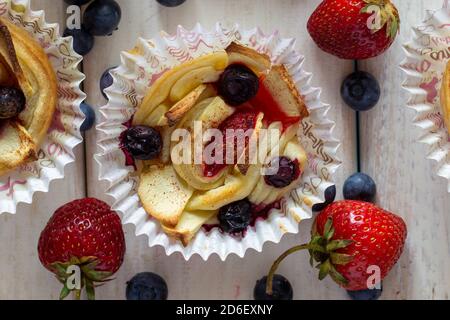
x,y
350,236
85,233
341,27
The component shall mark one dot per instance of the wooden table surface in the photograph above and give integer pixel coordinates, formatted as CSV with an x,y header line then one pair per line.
x,y
407,183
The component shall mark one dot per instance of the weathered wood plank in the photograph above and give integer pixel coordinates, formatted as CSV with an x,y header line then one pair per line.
x,y
407,182
21,274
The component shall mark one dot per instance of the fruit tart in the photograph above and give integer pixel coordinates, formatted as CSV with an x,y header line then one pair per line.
x,y
216,139
445,96
28,96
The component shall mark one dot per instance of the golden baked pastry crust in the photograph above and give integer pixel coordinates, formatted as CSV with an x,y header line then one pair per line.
x,y
445,96
25,60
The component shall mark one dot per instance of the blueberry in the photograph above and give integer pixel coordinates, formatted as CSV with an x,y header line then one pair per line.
x,y
83,41
288,171
89,117
360,186
236,216
171,3
368,294
238,84
77,2
330,195
102,17
361,91
12,102
281,289
146,286
106,81
144,143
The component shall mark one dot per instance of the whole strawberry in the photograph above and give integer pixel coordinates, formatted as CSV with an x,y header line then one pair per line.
x,y
351,241
354,29
85,233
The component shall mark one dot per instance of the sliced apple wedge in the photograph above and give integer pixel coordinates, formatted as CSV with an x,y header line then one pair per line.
x,y
210,112
193,79
160,90
17,146
163,195
189,224
284,91
158,116
236,187
257,62
179,110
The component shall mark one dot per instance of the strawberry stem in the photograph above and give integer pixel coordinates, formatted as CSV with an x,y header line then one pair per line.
x,y
277,262
322,249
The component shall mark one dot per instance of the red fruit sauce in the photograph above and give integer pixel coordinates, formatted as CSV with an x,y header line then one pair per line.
x,y
245,118
264,102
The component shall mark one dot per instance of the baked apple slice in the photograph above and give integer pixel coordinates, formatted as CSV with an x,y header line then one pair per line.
x,y
163,194
160,90
189,224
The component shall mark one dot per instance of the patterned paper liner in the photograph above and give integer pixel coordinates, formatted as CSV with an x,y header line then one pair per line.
x,y
64,134
141,67
426,57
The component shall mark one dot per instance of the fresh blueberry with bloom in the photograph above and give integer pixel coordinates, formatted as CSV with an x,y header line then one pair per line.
x,y
368,294
330,195
281,289
89,117
102,17
171,3
360,91
146,286
106,81
83,41
360,186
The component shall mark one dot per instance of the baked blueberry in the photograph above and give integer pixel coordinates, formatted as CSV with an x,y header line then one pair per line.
x,y
144,143
368,294
281,289
238,84
330,195
235,217
360,91
106,81
170,3
360,186
12,102
83,41
77,2
287,171
89,119
146,286
102,17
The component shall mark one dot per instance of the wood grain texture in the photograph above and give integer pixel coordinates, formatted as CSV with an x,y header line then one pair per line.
x,y
236,277
407,182
21,274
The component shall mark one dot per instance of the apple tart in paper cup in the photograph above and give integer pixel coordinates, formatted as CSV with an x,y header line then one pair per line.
x,y
147,62
56,149
427,55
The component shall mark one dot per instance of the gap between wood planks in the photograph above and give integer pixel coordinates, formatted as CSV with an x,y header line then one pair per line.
x,y
358,129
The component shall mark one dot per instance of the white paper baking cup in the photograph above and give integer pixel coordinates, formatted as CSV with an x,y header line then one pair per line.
x,y
64,133
136,74
426,57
